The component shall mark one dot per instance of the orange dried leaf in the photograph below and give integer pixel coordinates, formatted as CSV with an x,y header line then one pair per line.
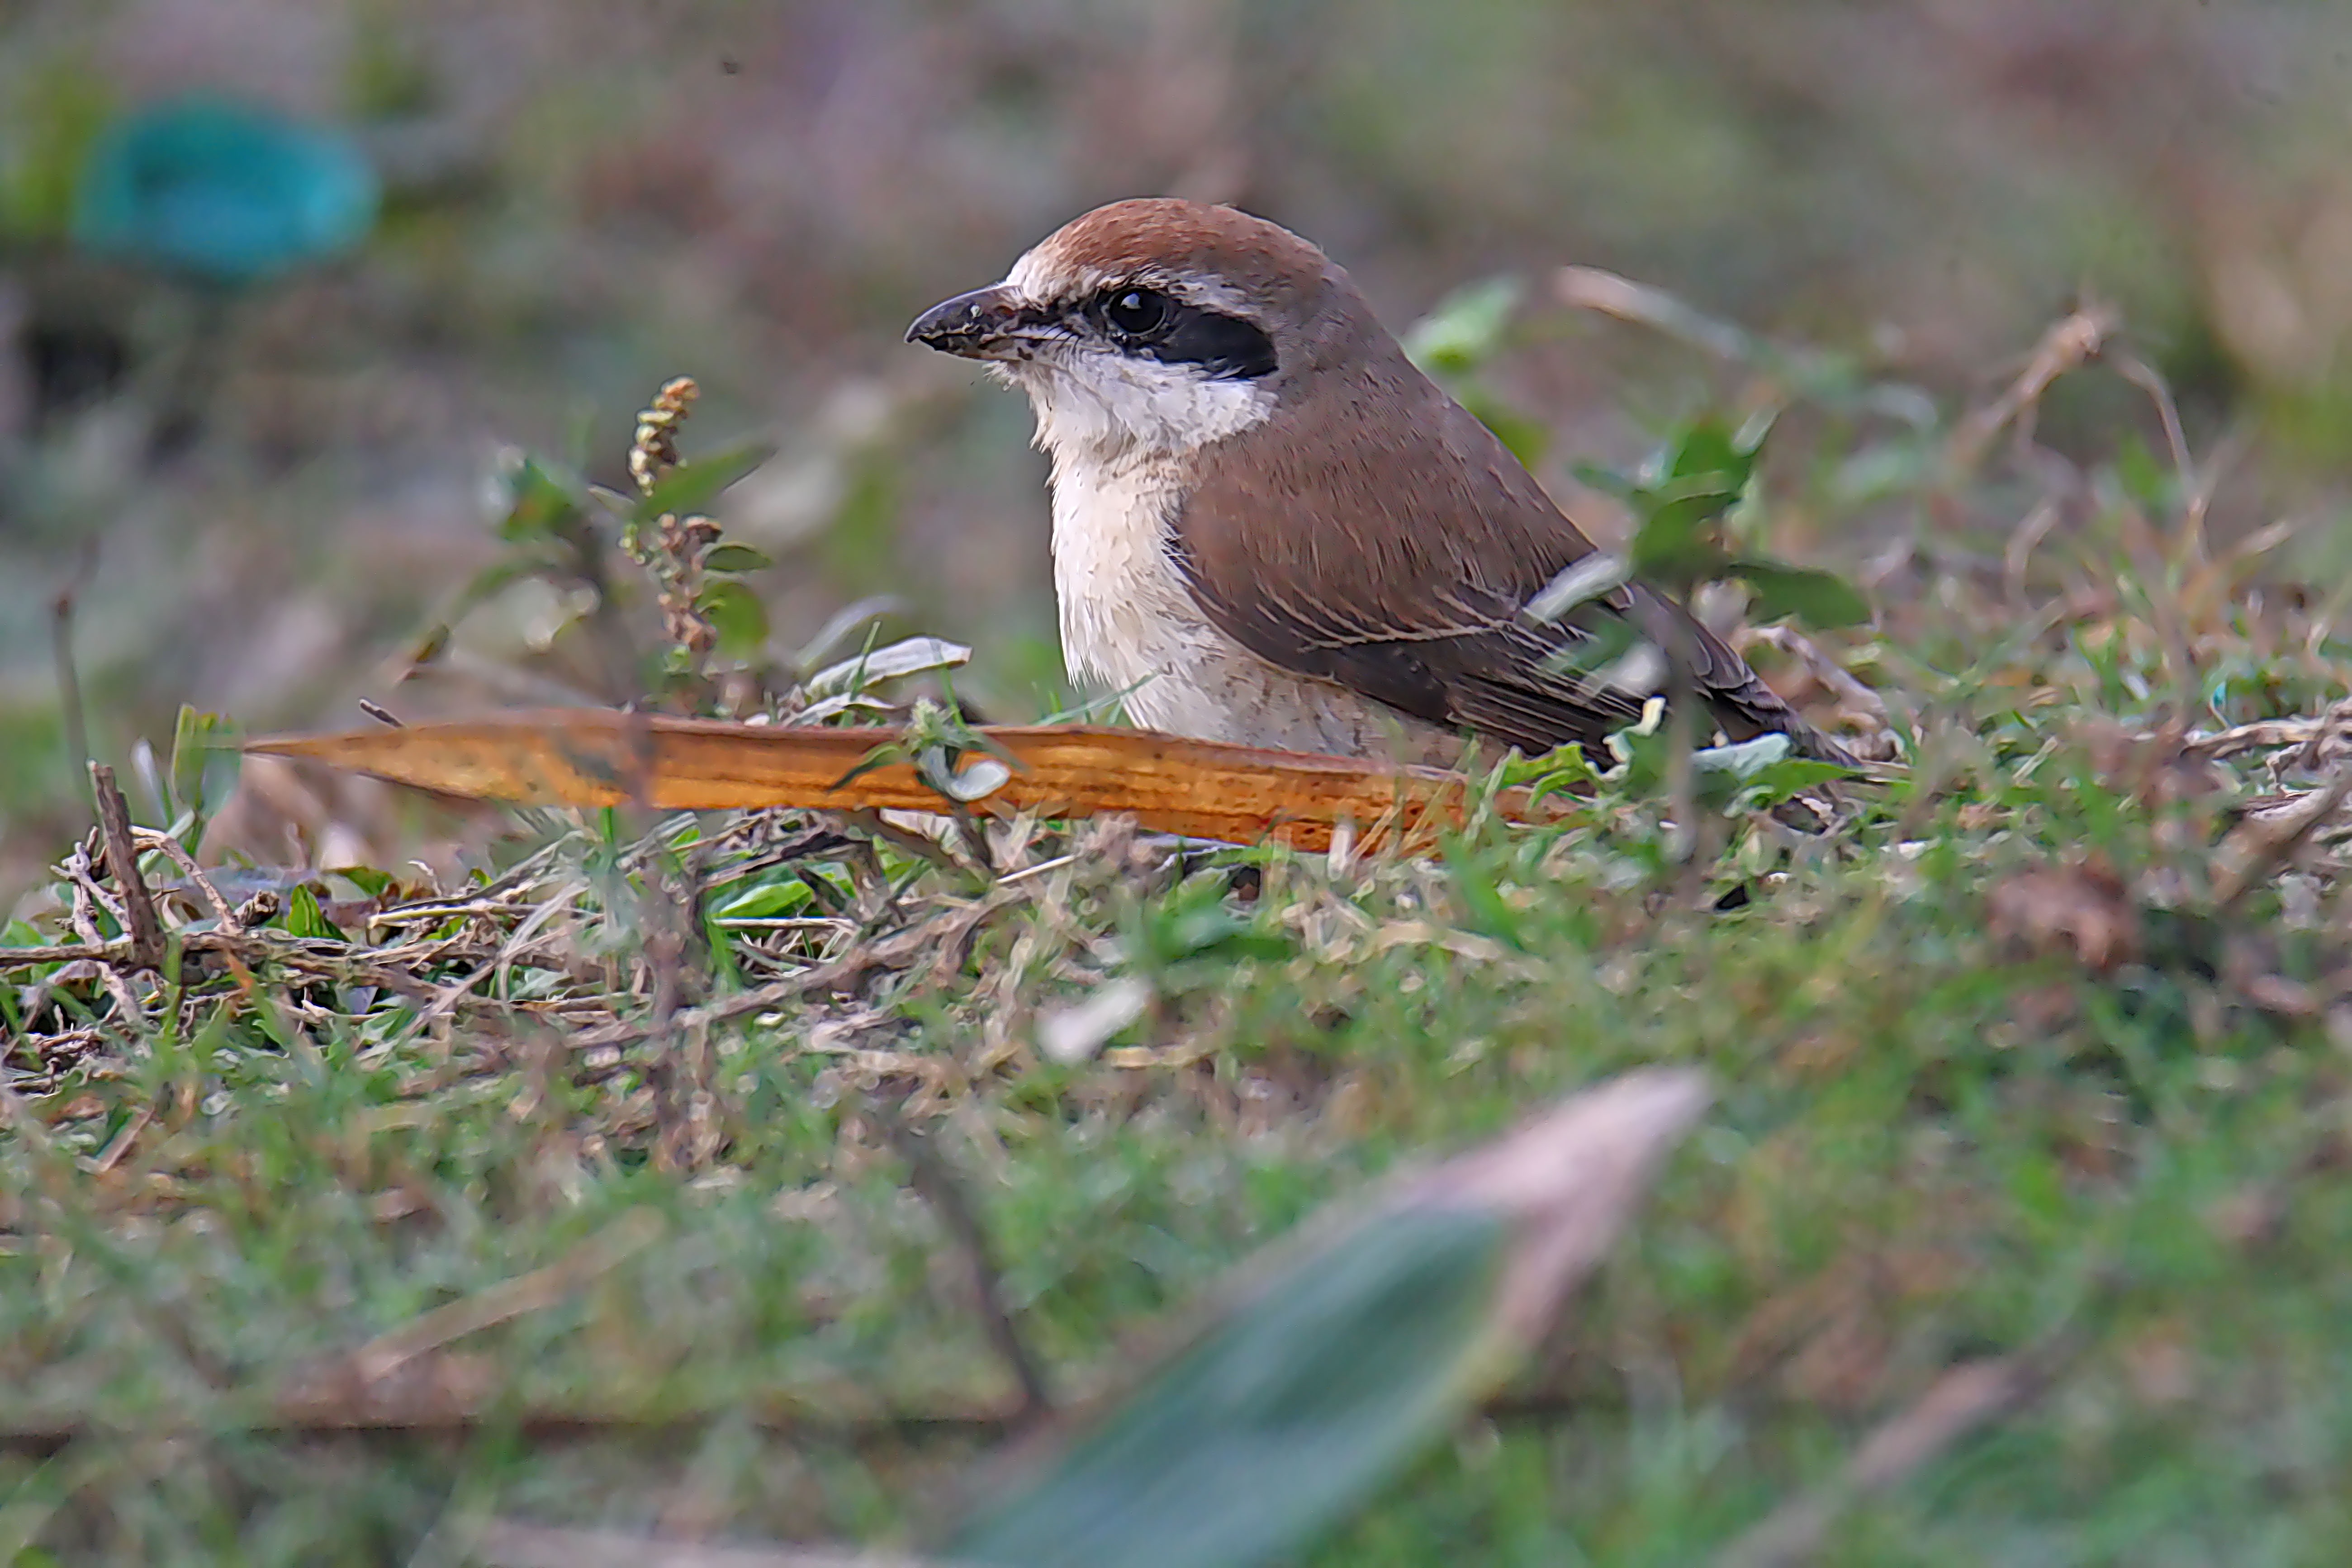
x,y
587,757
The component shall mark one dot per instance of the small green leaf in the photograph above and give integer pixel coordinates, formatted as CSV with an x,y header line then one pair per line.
x,y
768,901
305,918
736,613
1819,599
375,884
691,487
900,659
734,558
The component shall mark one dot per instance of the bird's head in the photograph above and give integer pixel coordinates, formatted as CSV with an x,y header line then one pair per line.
x,y
1150,328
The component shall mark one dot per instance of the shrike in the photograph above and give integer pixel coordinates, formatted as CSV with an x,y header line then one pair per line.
x,y
1270,529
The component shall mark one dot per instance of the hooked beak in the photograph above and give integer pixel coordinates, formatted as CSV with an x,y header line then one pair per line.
x,y
977,325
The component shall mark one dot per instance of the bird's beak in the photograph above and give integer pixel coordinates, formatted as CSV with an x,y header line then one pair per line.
x,y
979,325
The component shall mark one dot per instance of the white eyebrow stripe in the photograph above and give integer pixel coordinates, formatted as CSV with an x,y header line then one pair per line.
x,y
1037,278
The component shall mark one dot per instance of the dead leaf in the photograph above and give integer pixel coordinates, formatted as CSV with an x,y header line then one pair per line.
x,y
588,757
2084,906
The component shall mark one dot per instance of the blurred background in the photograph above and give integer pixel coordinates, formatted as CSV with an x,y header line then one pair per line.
x,y
280,279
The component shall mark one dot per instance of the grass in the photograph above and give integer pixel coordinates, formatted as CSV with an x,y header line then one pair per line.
x,y
2040,1053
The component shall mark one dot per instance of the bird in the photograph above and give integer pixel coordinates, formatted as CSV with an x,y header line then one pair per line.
x,y
1270,529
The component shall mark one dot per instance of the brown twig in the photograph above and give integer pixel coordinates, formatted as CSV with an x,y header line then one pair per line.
x,y
174,851
896,951
2067,345
123,859
941,1190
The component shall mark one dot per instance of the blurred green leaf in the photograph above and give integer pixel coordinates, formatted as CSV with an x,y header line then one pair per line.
x,y
1603,642
207,756
539,502
483,586
1675,542
734,558
1820,599
1607,480
1565,769
1527,438
1686,488
2150,483
1288,1410
692,486
52,123
1468,327
1759,771
1741,759
1709,446
1482,899
737,614
1763,787
1280,1420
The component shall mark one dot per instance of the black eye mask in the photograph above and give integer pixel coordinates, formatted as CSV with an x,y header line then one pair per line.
x,y
1145,320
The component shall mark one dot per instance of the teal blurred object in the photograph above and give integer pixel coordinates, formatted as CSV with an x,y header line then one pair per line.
x,y
228,191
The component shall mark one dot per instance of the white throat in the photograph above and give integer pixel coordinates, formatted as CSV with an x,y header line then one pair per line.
x,y
1112,406
1121,431
1131,626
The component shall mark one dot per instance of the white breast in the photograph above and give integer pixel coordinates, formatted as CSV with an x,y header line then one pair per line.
x,y
1129,625
1121,431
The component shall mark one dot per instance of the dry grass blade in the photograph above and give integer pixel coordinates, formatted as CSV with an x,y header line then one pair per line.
x,y
595,757
2265,843
1958,1403
2069,343
532,1292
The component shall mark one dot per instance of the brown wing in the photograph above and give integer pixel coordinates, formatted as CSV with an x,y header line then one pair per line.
x,y
1423,608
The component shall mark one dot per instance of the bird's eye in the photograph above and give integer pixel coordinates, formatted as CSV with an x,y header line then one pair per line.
x,y
1136,312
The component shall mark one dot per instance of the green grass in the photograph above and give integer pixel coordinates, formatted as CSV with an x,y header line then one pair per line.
x,y
2039,1052
1929,1146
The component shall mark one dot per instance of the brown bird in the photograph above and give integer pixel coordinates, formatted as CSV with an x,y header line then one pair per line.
x,y
1270,528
